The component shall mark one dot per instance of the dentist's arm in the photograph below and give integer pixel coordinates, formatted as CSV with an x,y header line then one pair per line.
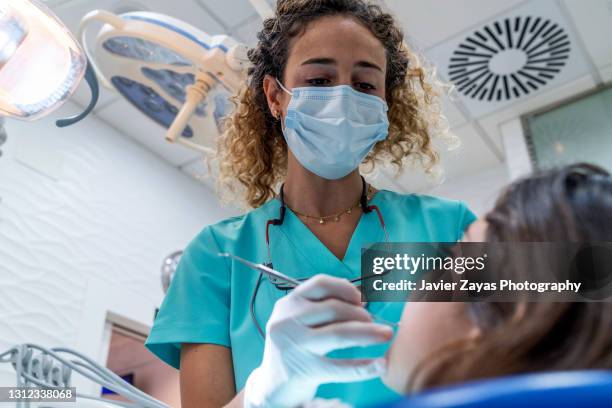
x,y
207,377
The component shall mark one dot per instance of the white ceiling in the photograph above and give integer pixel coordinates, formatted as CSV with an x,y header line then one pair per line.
x,y
431,22
434,27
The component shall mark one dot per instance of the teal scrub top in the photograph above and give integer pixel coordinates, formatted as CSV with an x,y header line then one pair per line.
x,y
209,297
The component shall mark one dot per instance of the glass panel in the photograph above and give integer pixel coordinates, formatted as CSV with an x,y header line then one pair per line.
x,y
580,131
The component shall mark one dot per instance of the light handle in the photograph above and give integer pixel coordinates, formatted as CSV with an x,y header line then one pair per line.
x,y
92,81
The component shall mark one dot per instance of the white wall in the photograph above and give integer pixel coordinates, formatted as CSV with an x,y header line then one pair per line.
x,y
86,218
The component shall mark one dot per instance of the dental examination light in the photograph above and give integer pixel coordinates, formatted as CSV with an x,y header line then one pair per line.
x,y
39,367
41,64
175,74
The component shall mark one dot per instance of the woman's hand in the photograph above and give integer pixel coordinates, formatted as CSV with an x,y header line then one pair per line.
x,y
319,316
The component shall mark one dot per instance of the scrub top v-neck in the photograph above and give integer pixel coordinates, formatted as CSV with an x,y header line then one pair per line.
x,y
209,297
305,243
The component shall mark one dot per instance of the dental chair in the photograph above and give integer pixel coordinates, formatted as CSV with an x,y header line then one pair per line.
x,y
566,389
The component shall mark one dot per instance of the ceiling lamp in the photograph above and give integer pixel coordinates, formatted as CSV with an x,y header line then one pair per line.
x,y
41,64
176,75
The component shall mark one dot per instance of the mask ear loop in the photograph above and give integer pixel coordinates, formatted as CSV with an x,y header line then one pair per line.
x,y
280,115
283,87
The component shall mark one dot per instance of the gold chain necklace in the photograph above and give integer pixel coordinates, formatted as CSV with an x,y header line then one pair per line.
x,y
335,217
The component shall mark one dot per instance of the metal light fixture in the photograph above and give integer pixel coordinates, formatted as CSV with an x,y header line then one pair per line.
x,y
41,63
177,75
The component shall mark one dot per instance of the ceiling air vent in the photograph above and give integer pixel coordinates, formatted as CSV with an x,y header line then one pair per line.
x,y
509,58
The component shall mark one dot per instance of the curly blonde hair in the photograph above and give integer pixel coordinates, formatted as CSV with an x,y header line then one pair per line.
x,y
252,150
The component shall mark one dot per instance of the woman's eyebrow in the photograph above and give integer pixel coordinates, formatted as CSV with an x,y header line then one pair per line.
x,y
367,64
320,61
331,61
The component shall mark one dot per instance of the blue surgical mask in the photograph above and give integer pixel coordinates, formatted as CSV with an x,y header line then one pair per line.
x,y
330,130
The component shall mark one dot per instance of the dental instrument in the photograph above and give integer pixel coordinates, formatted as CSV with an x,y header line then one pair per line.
x,y
264,269
280,278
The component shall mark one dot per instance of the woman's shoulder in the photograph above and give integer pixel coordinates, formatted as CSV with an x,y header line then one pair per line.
x,y
423,202
428,209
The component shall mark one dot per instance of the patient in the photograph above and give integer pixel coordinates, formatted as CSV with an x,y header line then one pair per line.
x,y
457,342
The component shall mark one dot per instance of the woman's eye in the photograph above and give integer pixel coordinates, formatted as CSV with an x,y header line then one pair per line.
x,y
364,86
318,82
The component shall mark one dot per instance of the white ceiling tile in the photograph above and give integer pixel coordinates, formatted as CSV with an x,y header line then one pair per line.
x,y
452,113
55,3
232,203
479,191
198,169
71,13
247,32
472,156
131,122
232,13
434,21
606,73
82,96
593,20
502,54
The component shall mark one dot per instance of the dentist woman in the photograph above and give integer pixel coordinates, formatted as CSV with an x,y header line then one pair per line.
x,y
331,87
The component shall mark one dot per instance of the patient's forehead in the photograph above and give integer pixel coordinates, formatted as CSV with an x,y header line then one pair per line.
x,y
476,232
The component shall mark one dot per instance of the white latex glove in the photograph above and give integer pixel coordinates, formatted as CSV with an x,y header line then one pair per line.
x,y
326,403
319,316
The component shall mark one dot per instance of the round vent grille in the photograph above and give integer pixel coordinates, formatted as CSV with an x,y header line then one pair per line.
x,y
509,58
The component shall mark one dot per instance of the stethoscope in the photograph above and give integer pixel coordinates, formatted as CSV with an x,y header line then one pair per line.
x,y
282,285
